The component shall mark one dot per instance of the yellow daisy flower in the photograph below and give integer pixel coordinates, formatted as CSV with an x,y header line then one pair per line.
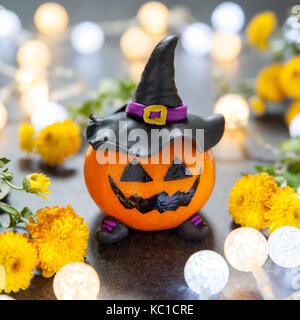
x,y
290,78
260,28
26,137
37,183
292,111
61,238
257,105
18,258
285,209
58,141
267,83
250,199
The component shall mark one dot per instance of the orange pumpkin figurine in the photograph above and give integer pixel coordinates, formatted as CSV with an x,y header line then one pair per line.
x,y
149,166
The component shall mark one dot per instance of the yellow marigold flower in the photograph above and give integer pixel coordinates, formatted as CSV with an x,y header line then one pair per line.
x,y
258,105
285,209
26,136
61,238
37,183
19,258
292,111
290,78
58,141
250,200
267,83
260,28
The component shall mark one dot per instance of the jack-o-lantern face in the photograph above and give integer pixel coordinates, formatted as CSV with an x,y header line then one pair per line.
x,y
149,196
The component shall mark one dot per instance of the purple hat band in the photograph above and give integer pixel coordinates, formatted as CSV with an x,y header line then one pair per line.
x,y
157,114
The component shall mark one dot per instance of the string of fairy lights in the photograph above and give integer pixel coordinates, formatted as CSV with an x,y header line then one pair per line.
x,y
138,36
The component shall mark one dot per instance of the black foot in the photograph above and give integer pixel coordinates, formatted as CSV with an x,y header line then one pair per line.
x,y
112,231
194,229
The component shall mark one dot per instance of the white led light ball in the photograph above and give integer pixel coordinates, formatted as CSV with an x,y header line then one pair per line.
x,y
206,272
6,297
197,39
226,46
228,17
87,38
51,18
47,114
3,116
284,247
295,127
76,281
235,110
10,23
34,53
153,16
246,248
136,44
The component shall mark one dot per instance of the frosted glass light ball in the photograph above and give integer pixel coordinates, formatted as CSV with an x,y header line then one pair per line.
x,y
10,23
153,16
196,39
3,116
6,297
295,127
234,108
76,281
47,114
87,38
206,272
51,18
34,53
291,29
245,248
136,44
226,46
228,17
284,247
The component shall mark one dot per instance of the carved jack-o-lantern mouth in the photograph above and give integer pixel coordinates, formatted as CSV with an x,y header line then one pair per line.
x,y
162,201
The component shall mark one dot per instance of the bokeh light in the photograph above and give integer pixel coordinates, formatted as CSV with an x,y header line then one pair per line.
x,y
206,272
136,44
6,297
3,116
295,127
225,46
153,16
197,39
87,38
10,23
228,17
234,108
76,281
34,53
245,249
34,96
46,114
51,18
284,247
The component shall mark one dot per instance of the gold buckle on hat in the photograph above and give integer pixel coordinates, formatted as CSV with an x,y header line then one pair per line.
x,y
156,108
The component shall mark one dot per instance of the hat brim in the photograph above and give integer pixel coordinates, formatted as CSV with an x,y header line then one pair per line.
x,y
113,131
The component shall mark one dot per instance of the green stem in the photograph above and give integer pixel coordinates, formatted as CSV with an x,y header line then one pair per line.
x,y
12,186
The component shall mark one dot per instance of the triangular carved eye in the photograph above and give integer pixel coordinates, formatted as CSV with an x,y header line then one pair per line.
x,y
134,172
177,171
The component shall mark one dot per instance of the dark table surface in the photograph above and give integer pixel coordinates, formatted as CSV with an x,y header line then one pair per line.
x,y
149,265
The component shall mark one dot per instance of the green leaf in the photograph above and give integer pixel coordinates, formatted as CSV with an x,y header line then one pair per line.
x,y
26,213
3,162
9,209
259,169
4,190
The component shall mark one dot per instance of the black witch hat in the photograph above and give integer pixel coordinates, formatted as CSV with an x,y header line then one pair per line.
x,y
156,105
